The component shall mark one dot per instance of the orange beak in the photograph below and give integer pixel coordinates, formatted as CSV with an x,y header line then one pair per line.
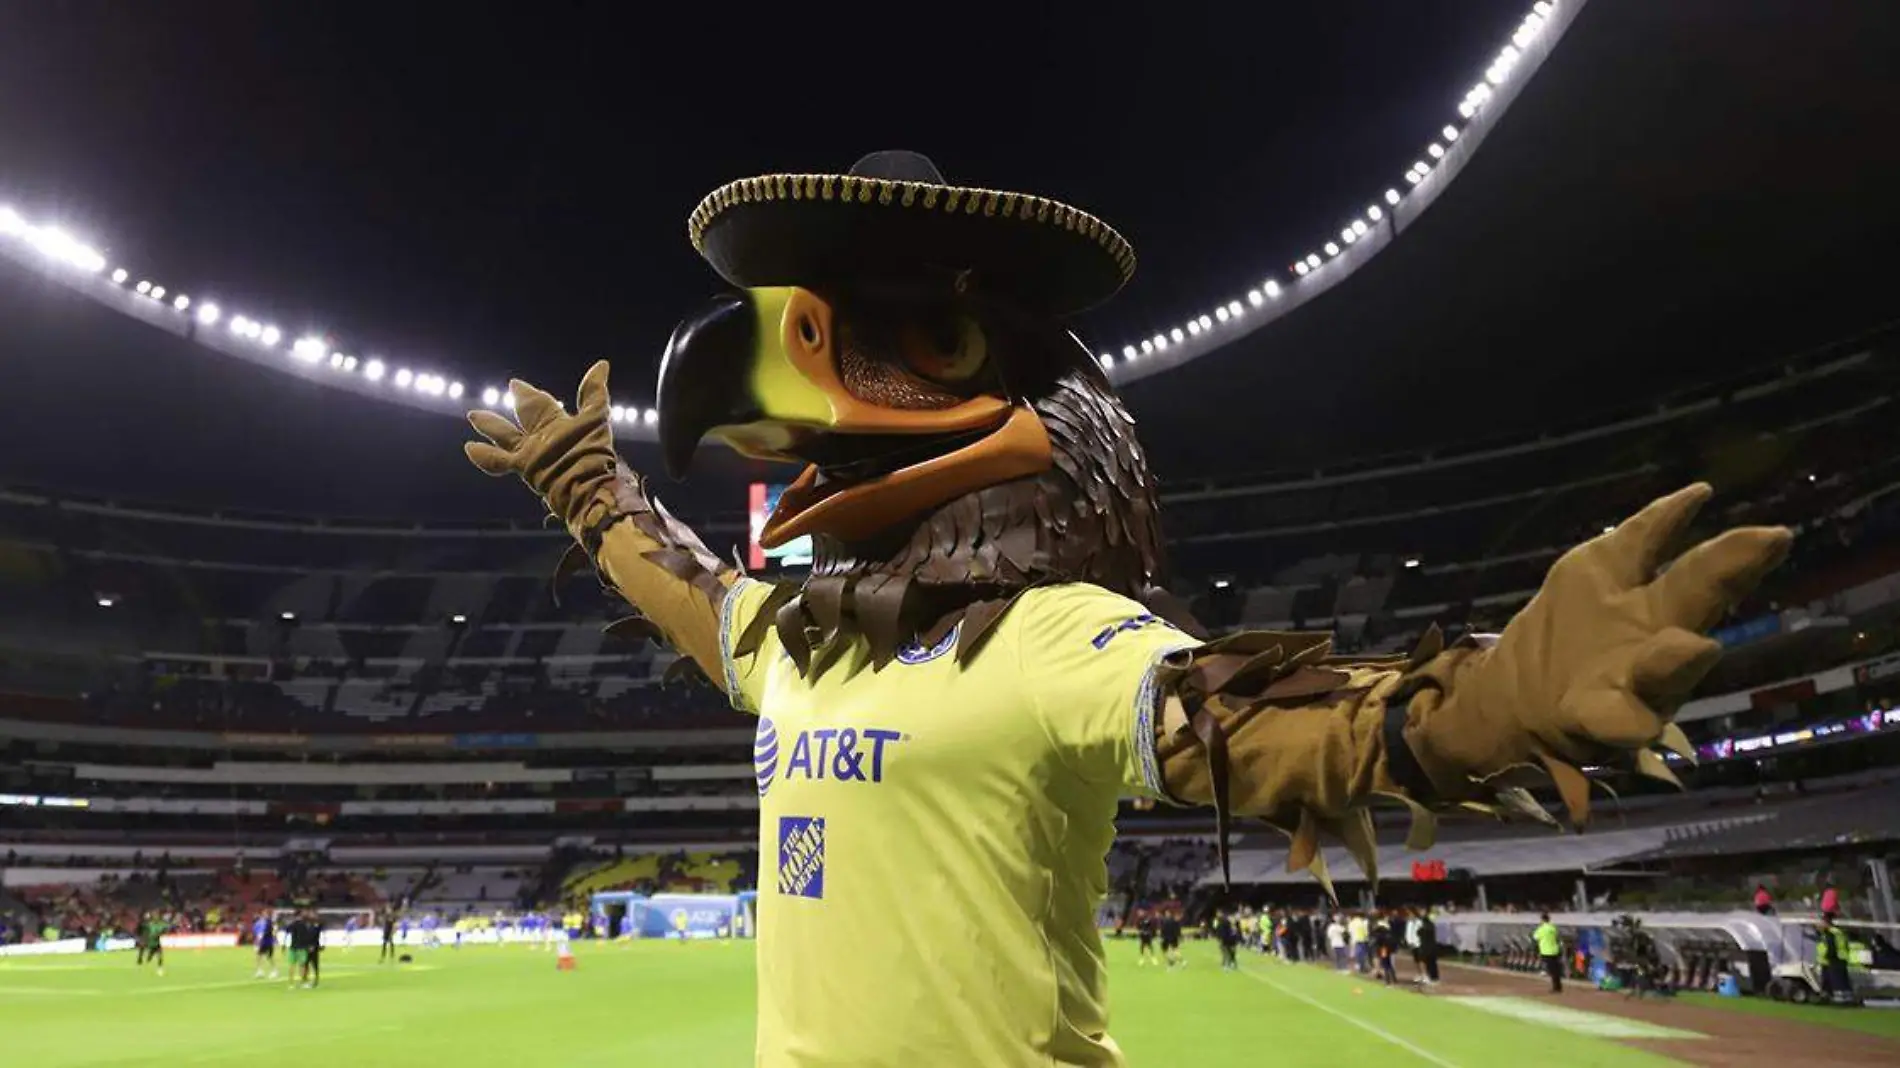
x,y
759,371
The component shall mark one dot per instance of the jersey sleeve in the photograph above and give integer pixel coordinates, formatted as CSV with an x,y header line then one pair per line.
x,y
1089,659
745,675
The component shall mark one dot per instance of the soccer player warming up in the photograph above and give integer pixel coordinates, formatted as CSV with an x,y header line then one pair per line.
x,y
153,935
387,954
1171,940
305,935
984,659
264,934
1145,929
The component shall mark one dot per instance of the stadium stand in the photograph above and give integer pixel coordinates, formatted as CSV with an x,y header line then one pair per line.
x,y
211,687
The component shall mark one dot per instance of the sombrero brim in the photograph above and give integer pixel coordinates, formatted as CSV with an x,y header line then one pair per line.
x,y
802,229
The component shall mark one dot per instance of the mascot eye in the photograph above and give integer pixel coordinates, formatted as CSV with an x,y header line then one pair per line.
x,y
951,354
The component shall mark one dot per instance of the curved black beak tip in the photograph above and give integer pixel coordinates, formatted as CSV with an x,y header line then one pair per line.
x,y
706,376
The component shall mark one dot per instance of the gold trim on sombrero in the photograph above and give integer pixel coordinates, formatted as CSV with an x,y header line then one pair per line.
x,y
949,199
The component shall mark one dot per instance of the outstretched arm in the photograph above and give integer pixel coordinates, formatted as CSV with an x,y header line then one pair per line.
x,y
653,561
1590,672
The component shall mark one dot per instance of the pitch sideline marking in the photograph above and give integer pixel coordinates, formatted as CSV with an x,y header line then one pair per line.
x,y
1576,1021
1363,1025
52,991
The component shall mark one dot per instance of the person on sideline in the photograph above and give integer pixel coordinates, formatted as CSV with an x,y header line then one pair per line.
x,y
1550,951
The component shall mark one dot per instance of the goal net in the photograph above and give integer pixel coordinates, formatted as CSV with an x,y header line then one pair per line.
x,y
689,916
341,927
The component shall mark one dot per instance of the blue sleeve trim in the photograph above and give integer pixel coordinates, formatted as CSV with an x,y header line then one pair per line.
x,y
727,608
1147,704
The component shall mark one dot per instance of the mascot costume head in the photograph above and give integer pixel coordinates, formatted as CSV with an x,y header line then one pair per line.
x,y
900,338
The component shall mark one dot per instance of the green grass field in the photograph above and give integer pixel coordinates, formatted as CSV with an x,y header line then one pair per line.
x,y
666,1003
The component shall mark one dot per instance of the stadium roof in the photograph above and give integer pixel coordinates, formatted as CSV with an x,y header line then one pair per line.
x,y
1682,190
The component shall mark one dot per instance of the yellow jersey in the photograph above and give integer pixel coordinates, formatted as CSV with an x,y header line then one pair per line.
x,y
933,836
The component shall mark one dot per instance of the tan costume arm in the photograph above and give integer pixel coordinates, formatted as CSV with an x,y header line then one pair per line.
x,y
1591,671
653,561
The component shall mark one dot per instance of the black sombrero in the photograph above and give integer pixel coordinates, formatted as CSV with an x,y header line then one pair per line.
x,y
894,210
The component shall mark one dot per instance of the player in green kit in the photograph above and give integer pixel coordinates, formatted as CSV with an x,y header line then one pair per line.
x,y
155,928
983,659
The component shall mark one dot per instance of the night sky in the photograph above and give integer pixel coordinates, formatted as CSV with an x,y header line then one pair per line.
x,y
1686,189
508,186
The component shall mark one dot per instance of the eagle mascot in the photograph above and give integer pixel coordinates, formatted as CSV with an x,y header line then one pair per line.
x,y
983,661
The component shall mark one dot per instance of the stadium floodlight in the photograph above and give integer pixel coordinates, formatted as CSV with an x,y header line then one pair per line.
x,y
1176,335
1234,308
458,619
1147,347
1206,323
181,302
403,377
1359,227
1221,583
1301,268
56,244
1374,212
1542,7
1435,150
455,391
650,416
1449,133
1128,352
1392,197
349,363
1254,298
1332,248
1412,561
1272,288
1221,313
491,396
106,600
617,414
208,313
119,276
373,370
1312,260
1413,177
508,401
158,292
1105,360
336,361
144,287
10,221
1608,529
269,336
287,616
1194,327
309,348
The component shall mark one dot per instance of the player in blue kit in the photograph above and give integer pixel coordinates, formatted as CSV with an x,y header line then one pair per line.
x,y
264,936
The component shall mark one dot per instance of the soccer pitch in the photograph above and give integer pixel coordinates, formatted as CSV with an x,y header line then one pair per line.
x,y
689,1004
